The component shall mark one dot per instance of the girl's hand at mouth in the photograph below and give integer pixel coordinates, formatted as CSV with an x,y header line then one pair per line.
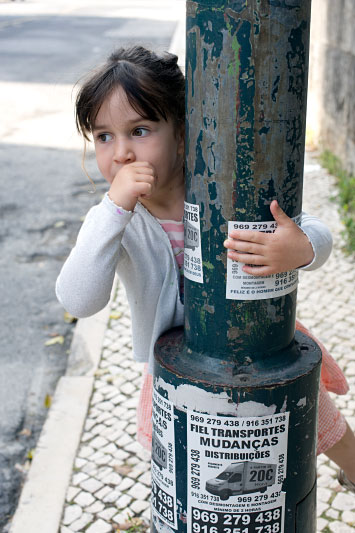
x,y
131,182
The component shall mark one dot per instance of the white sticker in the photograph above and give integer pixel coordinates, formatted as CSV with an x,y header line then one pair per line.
x,y
192,248
163,460
243,286
236,467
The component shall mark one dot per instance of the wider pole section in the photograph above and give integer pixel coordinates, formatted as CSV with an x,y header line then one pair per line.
x,y
235,392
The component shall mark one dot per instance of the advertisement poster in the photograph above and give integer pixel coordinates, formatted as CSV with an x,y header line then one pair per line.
x,y
163,461
243,286
192,237
236,467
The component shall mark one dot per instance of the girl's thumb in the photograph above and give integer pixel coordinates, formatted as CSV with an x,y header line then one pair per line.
x,y
278,213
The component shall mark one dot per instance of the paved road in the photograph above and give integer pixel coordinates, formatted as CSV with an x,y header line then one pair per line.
x,y
44,194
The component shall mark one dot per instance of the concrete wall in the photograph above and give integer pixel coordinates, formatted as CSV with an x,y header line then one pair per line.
x,y
331,92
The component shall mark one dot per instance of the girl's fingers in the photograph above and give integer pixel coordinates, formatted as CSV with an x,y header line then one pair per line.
x,y
138,164
149,171
146,168
251,259
249,236
143,189
257,271
145,178
244,246
138,168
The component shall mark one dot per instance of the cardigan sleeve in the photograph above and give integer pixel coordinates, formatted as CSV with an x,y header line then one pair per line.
x,y
85,282
320,238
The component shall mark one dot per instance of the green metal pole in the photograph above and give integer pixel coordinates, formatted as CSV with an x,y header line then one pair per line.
x,y
246,68
235,392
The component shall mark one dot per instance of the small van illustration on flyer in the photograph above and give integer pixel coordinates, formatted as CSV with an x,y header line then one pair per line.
x,y
242,478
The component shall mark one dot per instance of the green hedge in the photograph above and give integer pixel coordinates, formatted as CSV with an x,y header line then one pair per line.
x,y
345,196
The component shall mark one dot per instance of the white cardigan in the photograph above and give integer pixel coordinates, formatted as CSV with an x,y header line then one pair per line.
x,y
136,246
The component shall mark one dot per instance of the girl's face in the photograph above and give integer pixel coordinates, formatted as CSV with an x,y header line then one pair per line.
x,y
122,136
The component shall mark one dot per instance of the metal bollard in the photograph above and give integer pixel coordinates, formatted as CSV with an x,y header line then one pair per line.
x,y
236,390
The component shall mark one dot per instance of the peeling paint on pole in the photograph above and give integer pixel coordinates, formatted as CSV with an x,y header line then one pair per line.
x,y
238,367
246,88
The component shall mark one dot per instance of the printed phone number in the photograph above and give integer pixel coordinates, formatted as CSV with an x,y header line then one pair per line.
x,y
192,263
238,421
253,522
163,503
258,226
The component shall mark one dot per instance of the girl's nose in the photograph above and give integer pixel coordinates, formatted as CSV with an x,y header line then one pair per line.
x,y
123,153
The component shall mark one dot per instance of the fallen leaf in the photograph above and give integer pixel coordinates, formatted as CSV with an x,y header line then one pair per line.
x,y
23,468
115,315
25,432
124,470
30,454
59,224
59,339
134,523
68,318
19,467
48,401
101,372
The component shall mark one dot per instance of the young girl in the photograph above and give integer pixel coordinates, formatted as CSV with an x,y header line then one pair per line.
x,y
134,108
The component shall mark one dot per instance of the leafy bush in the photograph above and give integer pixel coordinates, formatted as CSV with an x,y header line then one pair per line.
x,y
345,195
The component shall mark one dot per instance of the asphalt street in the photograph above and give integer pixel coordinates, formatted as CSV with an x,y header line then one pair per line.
x,y
44,194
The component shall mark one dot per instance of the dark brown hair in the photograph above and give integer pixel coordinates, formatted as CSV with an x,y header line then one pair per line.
x,y
154,85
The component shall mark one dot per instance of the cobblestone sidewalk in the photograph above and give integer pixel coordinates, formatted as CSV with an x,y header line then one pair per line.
x,y
326,303
111,476
110,486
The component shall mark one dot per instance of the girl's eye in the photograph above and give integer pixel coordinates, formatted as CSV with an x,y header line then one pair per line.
x,y
140,132
104,137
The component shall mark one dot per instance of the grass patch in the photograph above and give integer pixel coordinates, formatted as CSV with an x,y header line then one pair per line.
x,y
345,196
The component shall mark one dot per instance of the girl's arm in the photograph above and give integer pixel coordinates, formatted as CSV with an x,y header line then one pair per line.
x,y
288,248
320,238
85,282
